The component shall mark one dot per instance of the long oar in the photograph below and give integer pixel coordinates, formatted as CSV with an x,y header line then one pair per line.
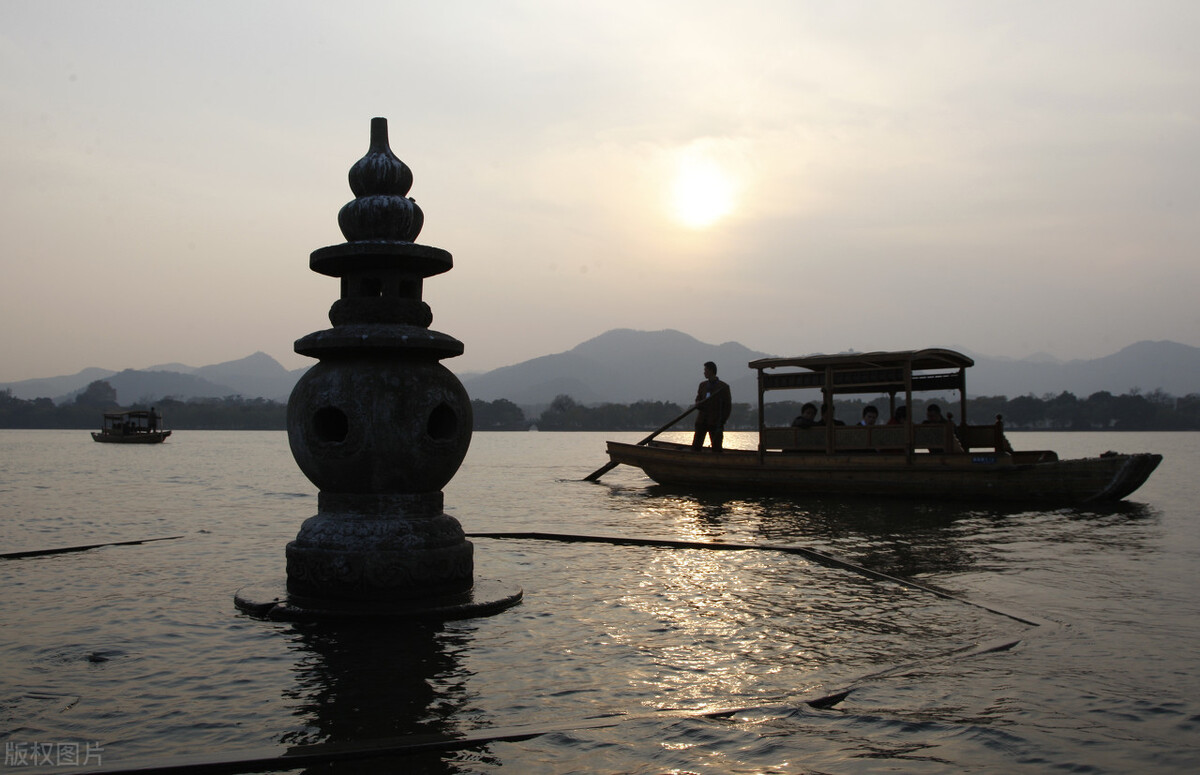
x,y
610,465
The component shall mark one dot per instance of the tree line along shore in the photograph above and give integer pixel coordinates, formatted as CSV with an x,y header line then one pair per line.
x,y
1135,411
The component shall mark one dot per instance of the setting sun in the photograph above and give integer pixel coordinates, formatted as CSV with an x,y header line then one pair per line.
x,y
702,192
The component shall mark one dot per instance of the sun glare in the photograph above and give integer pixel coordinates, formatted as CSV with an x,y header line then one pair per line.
x,y
702,193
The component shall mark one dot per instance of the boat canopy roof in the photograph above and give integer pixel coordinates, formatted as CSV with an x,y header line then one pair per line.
x,y
133,413
876,372
919,360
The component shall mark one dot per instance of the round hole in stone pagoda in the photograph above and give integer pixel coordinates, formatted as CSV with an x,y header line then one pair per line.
x,y
443,423
330,425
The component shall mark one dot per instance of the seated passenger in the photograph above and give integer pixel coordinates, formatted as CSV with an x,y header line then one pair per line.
x,y
900,416
807,418
870,416
830,420
933,414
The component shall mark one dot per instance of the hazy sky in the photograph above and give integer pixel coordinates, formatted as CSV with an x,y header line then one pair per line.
x,y
1010,177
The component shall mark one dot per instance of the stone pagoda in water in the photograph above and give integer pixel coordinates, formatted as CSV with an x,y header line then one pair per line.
x,y
380,426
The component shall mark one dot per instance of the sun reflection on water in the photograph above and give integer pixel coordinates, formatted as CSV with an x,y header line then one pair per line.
x,y
713,629
721,626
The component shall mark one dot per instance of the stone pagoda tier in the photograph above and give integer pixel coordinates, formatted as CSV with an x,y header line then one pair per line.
x,y
380,426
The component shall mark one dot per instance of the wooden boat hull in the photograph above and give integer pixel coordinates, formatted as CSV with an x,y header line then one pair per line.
x,y
152,437
982,476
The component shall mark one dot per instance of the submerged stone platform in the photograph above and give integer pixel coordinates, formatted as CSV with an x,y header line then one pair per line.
x,y
274,603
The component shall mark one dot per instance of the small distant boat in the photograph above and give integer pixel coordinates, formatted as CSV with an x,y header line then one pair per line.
x,y
904,458
134,427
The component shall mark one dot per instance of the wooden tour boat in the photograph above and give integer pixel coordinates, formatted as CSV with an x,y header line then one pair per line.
x,y
134,427
907,459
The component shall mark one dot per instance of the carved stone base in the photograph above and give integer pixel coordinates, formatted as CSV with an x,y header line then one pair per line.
x,y
367,548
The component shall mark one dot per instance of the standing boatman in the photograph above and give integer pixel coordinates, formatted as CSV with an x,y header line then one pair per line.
x,y
714,405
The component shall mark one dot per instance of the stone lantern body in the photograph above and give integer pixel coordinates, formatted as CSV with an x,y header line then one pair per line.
x,y
379,425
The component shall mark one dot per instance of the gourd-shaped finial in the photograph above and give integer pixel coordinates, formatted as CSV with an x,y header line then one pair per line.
x,y
380,181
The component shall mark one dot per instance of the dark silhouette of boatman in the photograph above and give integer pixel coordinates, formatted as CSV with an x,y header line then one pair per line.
x,y
714,407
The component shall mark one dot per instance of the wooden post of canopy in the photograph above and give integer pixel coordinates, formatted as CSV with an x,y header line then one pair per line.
x,y
762,416
827,409
908,409
962,408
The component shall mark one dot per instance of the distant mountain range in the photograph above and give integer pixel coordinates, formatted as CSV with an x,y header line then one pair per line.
x,y
620,366
255,376
623,366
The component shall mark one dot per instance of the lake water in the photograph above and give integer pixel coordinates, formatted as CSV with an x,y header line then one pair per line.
x,y
128,655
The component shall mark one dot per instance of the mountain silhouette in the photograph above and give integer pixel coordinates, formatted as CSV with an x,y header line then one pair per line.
x,y
1145,366
623,366
255,376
